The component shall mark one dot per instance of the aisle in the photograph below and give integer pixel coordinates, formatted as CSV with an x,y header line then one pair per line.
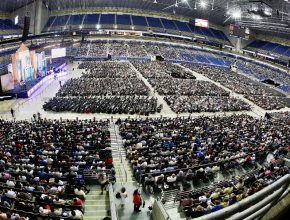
x,y
97,205
125,179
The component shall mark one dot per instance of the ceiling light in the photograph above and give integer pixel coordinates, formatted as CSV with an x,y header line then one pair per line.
x,y
203,4
155,1
256,17
237,14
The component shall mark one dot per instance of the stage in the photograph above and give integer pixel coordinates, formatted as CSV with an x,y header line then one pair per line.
x,y
26,91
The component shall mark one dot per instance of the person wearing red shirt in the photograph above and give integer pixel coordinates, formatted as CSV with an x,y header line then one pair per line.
x,y
137,200
77,201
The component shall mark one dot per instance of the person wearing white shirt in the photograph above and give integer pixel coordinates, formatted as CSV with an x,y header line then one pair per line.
x,y
11,194
171,179
76,214
10,183
80,192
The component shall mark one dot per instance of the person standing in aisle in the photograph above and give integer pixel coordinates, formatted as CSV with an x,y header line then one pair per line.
x,y
123,196
12,112
137,200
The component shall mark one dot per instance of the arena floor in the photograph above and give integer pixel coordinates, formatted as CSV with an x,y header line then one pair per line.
x,y
25,108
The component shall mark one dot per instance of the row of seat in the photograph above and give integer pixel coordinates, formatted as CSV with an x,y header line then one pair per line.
x,y
270,47
7,24
127,21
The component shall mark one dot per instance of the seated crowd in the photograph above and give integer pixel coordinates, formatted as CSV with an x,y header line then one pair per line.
x,y
192,104
263,73
196,203
163,145
107,70
183,93
256,92
143,105
105,87
44,163
181,53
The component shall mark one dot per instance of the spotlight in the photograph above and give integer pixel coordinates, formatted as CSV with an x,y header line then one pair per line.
x,y
237,14
203,4
98,26
256,17
155,1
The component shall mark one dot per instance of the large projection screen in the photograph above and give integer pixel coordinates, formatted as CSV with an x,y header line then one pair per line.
x,y
201,23
56,53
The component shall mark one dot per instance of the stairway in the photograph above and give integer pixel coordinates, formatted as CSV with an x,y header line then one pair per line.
x,y
97,205
122,167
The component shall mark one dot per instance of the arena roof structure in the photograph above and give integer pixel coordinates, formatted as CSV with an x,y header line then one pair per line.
x,y
259,15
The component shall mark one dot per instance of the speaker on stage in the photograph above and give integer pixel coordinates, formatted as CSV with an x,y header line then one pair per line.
x,y
109,57
26,28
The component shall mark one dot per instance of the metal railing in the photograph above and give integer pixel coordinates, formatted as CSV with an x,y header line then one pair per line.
x,y
159,212
113,210
254,206
120,155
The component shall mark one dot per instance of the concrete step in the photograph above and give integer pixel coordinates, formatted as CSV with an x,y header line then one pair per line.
x,y
97,204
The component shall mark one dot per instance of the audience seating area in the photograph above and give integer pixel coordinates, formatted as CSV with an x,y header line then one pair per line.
x,y
183,93
182,153
181,54
129,22
105,87
269,48
256,92
44,164
133,49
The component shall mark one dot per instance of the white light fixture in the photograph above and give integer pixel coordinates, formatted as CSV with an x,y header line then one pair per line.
x,y
256,17
155,1
98,26
203,4
237,14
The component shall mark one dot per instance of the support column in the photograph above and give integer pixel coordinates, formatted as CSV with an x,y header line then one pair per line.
x,y
238,45
40,16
